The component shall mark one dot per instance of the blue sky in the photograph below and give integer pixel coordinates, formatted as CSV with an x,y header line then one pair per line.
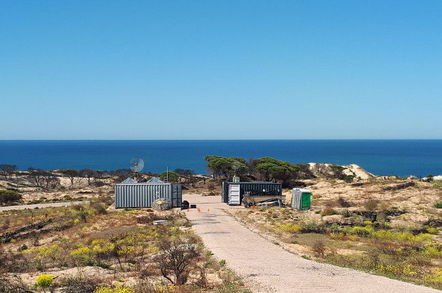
x,y
220,69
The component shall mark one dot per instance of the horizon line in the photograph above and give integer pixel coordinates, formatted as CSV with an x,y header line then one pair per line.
x,y
217,139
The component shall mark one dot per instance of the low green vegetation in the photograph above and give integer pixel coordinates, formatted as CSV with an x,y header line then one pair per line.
x,y
44,281
437,184
8,197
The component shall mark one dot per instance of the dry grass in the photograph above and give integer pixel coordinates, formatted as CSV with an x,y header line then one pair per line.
x,y
109,247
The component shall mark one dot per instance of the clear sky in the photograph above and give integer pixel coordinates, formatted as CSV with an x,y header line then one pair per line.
x,y
220,69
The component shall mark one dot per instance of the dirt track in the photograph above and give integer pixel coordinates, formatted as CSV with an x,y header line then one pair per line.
x,y
267,267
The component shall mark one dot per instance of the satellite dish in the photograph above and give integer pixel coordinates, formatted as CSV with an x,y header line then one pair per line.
x,y
136,165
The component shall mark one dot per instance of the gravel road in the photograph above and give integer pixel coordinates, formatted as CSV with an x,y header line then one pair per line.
x,y
41,205
267,267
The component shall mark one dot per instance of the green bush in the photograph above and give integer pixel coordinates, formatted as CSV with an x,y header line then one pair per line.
x,y
435,277
9,196
83,255
432,251
437,184
362,231
432,230
438,205
289,227
44,281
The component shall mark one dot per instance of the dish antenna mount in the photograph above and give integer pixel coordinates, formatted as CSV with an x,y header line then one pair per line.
x,y
136,165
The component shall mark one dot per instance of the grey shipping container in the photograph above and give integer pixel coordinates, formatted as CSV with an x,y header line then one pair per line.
x,y
143,195
255,188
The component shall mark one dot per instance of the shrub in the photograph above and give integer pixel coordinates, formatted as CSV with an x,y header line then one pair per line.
x,y
405,270
12,285
371,205
319,248
83,214
362,231
120,289
83,255
343,202
78,284
406,237
438,205
437,184
435,277
312,227
177,258
432,251
148,286
99,208
9,196
47,254
432,230
289,227
44,281
346,213
328,212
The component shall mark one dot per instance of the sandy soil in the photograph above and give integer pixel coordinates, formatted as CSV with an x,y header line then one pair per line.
x,y
267,267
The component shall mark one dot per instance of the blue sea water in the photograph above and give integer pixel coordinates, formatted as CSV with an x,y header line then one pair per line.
x,y
382,157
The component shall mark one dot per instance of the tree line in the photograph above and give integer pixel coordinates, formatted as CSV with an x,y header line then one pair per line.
x,y
46,179
268,169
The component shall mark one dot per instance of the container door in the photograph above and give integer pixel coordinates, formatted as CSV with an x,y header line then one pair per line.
x,y
176,195
234,194
306,201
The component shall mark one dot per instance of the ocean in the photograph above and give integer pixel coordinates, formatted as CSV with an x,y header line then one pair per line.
x,y
381,157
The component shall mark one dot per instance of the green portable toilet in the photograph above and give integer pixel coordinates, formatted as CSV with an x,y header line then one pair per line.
x,y
301,199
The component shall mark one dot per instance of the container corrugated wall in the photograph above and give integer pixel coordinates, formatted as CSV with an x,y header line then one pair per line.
x,y
256,188
143,195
